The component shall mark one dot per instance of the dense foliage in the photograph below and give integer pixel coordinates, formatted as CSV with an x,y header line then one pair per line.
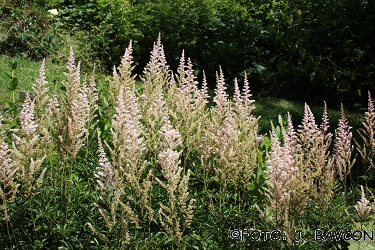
x,y
27,29
321,49
302,50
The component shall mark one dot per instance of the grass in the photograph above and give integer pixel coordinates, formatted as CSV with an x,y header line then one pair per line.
x,y
269,108
27,72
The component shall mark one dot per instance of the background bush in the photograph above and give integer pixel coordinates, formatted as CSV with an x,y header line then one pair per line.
x,y
27,29
319,50
295,49
300,50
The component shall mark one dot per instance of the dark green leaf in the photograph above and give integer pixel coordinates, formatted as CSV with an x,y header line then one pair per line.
x,y
13,84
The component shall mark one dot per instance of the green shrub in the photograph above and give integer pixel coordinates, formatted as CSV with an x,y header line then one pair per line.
x,y
319,50
27,30
212,32
106,26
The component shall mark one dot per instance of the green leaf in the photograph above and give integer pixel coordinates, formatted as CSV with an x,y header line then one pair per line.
x,y
107,125
5,100
191,172
7,74
14,65
260,173
9,122
312,76
215,178
13,84
266,143
250,186
278,132
280,119
268,213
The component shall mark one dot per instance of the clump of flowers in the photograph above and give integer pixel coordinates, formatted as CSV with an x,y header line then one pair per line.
x,y
287,189
229,146
363,208
8,187
114,212
72,116
28,152
367,149
343,149
177,214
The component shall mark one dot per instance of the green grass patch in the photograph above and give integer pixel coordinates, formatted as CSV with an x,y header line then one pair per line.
x,y
269,108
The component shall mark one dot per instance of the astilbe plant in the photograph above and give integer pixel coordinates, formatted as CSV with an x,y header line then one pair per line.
x,y
73,113
92,98
367,149
128,153
313,157
43,115
28,152
229,146
286,193
156,75
8,186
113,211
72,110
41,100
248,127
300,172
127,139
154,89
177,214
210,145
122,77
363,208
228,169
187,105
343,149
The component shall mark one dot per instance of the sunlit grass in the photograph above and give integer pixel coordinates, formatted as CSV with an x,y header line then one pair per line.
x,y
269,108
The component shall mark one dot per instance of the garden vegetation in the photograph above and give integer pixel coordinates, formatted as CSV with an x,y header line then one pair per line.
x,y
169,156
168,171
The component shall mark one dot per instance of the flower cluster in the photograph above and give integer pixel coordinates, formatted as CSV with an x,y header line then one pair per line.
x,y
8,187
73,112
177,214
287,188
343,149
28,151
367,149
363,208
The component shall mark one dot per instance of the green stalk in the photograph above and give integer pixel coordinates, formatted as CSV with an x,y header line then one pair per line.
x,y
68,193
9,237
